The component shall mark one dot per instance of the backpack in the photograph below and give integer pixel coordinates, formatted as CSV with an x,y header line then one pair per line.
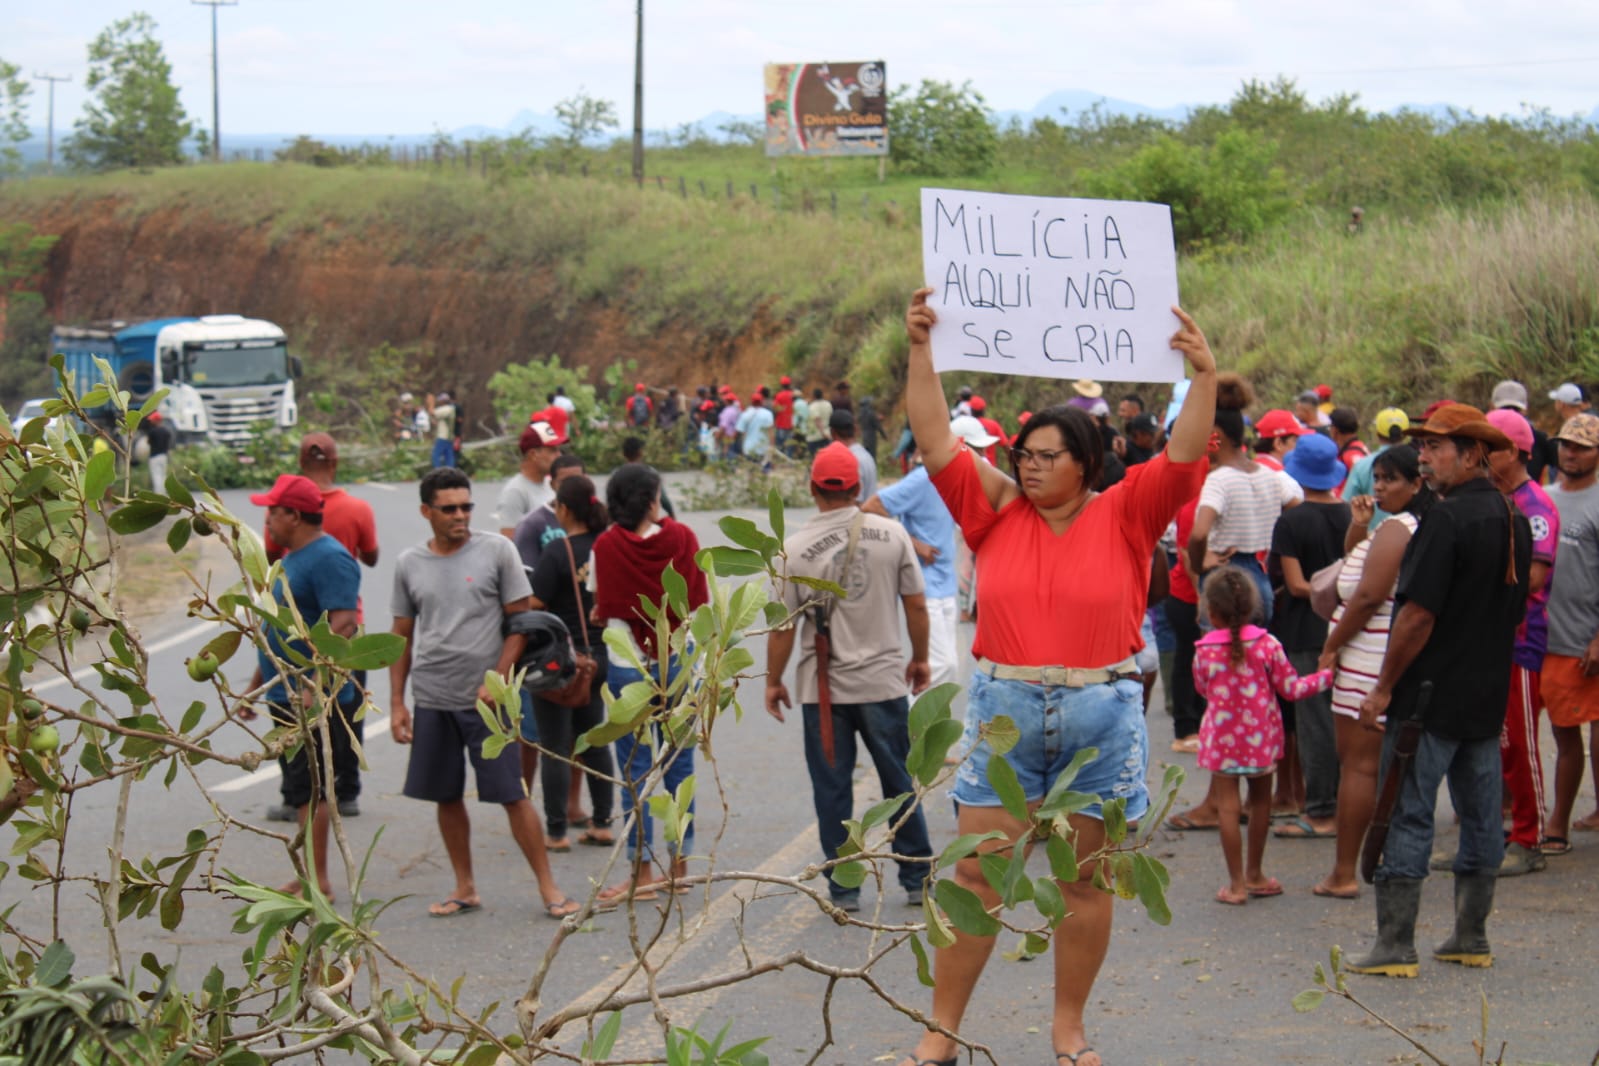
x,y
639,410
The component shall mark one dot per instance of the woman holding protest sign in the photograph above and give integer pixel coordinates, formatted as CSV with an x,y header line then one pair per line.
x,y
1065,579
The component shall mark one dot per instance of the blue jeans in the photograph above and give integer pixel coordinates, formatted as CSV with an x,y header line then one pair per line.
x,y
1472,769
882,727
1056,723
443,453
634,759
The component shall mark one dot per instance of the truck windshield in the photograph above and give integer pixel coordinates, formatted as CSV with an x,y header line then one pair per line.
x,y
223,365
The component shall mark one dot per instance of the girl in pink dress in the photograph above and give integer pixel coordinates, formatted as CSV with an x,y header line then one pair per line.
x,y
1237,668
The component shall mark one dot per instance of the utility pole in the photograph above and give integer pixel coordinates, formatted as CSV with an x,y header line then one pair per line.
x,y
50,121
216,102
638,98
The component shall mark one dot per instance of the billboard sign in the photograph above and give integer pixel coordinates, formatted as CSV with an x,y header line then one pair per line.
x,y
827,108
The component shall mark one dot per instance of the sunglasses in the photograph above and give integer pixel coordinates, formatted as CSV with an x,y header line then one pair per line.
x,y
453,508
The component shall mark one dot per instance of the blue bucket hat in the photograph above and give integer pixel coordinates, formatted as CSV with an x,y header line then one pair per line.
x,y
1314,463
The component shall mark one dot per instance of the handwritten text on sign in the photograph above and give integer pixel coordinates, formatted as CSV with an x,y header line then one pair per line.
x,y
1054,288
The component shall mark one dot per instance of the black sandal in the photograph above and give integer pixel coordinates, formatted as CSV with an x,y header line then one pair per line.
x,y
1071,1058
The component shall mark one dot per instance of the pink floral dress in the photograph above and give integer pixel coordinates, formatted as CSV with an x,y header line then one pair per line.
x,y
1242,732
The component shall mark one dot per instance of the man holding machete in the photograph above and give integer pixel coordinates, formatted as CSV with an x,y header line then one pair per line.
x,y
1462,591
852,674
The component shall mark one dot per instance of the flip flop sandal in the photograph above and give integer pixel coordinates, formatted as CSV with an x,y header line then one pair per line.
x,y
564,907
1183,822
1326,893
456,906
1224,896
1272,887
1586,825
1301,829
1555,846
580,823
1071,1058
589,838
560,845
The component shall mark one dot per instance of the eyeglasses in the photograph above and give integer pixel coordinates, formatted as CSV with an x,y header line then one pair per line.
x,y
453,508
1044,460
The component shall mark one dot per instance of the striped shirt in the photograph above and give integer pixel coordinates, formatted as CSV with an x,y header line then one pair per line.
x,y
1360,660
1247,506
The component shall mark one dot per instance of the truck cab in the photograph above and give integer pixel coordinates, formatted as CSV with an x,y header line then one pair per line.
x,y
227,374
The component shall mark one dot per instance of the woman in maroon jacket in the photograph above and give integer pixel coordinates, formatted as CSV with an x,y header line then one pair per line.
x,y
629,559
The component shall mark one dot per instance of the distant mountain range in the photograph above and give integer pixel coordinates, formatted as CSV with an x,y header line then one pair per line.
x,y
1066,105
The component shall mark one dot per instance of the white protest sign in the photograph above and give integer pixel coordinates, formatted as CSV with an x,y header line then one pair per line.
x,y
1051,288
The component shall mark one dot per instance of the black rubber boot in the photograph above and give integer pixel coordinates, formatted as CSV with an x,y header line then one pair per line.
x,y
1474,898
1398,900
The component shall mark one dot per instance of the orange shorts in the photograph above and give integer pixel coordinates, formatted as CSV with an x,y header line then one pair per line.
x,y
1572,699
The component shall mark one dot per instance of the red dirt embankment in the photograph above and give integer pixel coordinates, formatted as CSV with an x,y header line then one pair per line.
x,y
342,294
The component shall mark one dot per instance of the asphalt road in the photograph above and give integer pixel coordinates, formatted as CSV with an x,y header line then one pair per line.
x,y
1214,986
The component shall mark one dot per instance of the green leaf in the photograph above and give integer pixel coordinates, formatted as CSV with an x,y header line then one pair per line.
x,y
773,614
55,966
178,535
176,491
1002,777
1066,802
1064,780
1151,879
1062,857
939,933
1114,815
774,512
924,971
1015,888
98,475
931,706
605,1039
373,651
1048,899
1309,1000
849,874
732,562
966,844
676,590
742,531
926,759
965,909
482,1055
136,518
883,810
223,646
192,717
492,746
820,584
1001,734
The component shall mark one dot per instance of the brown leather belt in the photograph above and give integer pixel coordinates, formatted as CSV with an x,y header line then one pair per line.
x,y
1061,676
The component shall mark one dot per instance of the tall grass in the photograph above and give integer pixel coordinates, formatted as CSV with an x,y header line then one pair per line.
x,y
1413,310
1410,309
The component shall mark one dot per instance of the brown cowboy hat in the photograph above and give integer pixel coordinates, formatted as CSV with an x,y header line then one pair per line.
x,y
1462,420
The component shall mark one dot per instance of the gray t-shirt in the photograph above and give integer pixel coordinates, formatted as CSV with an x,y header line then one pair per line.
x,y
867,663
1574,582
520,497
868,464
458,602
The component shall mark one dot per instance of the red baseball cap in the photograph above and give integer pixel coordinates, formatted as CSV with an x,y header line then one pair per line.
x,y
292,491
540,435
1280,423
835,468
1324,392
977,405
784,380
318,447
638,386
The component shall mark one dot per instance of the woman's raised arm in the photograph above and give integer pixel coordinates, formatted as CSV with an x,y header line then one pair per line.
x,y
1191,432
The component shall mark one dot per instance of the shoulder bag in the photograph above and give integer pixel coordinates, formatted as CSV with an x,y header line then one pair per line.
x,y
579,690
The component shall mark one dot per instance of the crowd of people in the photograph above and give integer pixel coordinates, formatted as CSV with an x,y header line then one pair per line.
x,y
1324,615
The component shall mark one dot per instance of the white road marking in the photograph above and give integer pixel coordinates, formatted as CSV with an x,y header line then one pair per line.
x,y
154,649
379,485
374,728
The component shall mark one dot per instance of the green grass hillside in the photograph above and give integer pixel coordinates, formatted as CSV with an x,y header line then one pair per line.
x,y
1426,302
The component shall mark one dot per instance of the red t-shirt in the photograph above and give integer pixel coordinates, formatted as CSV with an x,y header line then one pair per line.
x,y
1182,586
1076,599
783,409
997,430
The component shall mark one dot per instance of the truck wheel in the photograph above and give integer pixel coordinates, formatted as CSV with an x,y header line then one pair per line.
x,y
138,381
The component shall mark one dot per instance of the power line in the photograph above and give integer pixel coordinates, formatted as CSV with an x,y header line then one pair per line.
x,y
50,122
216,101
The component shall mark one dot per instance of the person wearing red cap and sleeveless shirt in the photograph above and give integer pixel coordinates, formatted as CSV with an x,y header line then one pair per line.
x,y
1065,582
350,521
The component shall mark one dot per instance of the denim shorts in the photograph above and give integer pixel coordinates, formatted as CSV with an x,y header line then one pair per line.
x,y
1055,724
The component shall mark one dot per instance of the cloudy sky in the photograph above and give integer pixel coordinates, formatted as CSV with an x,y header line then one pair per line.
x,y
408,66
